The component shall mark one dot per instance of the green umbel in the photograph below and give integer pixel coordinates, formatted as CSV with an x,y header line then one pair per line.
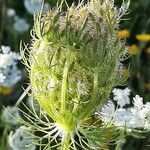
x,y
74,59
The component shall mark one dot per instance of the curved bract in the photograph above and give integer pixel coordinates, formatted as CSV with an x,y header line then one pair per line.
x,y
74,60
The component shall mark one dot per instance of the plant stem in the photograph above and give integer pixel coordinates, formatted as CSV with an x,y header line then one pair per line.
x,y
23,95
64,87
65,142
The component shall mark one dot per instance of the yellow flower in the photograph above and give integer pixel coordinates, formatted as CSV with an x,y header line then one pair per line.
x,y
143,37
123,34
5,90
133,49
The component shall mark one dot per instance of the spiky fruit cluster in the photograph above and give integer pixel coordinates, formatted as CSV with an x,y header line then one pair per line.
x,y
73,62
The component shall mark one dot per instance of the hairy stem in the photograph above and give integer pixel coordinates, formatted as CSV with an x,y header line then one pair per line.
x,y
66,143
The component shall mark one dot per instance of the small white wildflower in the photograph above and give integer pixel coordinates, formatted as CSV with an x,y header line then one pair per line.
x,y
133,117
141,113
34,6
138,120
137,123
11,12
5,49
7,57
107,112
6,60
137,110
147,106
138,106
8,66
13,75
2,77
138,102
21,139
21,25
146,111
119,117
122,96
122,117
10,115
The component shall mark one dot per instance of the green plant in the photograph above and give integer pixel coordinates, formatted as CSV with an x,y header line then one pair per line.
x,y
73,64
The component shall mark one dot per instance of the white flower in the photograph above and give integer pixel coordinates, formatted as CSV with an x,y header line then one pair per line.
x,y
122,96
2,77
107,112
11,12
34,6
21,139
141,113
5,49
10,115
146,111
8,66
137,110
138,102
5,60
137,122
21,25
133,117
122,117
13,75
7,57
119,117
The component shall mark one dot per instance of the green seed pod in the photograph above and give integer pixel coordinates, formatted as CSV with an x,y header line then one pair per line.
x,y
73,61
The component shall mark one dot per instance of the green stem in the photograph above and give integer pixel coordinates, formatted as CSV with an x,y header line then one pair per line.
x,y
64,87
66,143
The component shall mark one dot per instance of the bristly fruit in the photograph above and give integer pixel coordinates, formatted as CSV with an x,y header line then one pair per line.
x,y
73,63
